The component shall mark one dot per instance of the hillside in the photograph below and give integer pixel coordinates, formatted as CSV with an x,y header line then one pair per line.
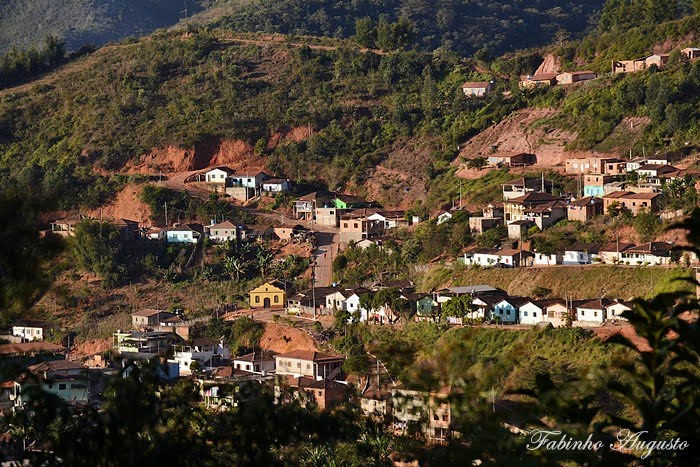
x,y
463,26
25,23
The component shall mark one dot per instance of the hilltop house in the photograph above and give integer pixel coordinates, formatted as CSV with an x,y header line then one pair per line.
x,y
595,165
30,330
512,159
660,60
62,378
570,77
309,363
628,66
269,295
545,259
538,80
476,88
584,209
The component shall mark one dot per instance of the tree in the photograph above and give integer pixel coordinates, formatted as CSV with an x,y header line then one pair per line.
x,y
647,225
366,32
95,247
477,162
459,307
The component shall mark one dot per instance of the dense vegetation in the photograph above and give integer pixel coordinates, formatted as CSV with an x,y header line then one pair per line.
x,y
464,26
24,23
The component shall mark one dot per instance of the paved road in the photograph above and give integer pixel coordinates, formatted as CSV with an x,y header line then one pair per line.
x,y
326,252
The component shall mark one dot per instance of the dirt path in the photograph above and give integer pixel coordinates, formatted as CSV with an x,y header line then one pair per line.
x,y
326,251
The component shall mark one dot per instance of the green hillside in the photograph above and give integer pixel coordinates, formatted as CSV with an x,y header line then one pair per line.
x,y
25,23
464,26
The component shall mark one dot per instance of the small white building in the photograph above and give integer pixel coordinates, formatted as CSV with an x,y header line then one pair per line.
x,y
218,175
352,305
30,330
592,313
249,181
338,300
275,185
476,88
506,310
183,234
207,353
531,313
542,259
580,253
556,312
390,219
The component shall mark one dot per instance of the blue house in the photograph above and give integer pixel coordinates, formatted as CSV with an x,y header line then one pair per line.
x,y
506,311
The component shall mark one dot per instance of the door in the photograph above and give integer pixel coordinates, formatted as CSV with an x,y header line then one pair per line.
x,y
266,302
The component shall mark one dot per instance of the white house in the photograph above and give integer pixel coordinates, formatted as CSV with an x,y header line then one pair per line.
x,y
30,330
615,310
489,257
352,305
580,253
389,219
155,233
542,259
531,312
476,88
338,299
257,362
218,175
207,353
183,234
592,312
247,180
652,253
275,185
443,217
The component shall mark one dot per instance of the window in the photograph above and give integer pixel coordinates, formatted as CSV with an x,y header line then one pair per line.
x,y
276,299
257,299
583,312
436,417
320,393
534,314
524,313
62,386
595,314
444,418
345,225
355,225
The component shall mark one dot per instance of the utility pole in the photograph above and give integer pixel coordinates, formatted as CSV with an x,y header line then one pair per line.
x,y
460,194
313,286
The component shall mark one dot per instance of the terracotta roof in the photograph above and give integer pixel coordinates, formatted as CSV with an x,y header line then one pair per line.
x,y
222,372
587,247
614,246
618,194
274,181
476,84
147,312
310,355
316,195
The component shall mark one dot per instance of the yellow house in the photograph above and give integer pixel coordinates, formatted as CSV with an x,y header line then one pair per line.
x,y
269,295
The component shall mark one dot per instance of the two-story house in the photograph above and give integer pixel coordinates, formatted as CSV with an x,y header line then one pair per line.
x,y
309,363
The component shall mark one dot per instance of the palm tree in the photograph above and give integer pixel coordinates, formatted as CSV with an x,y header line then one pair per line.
x,y
234,267
264,259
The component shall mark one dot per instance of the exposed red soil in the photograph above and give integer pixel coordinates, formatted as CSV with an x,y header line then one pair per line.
x,y
90,347
126,205
550,64
282,339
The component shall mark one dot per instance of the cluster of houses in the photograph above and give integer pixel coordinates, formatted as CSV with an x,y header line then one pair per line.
x,y
237,185
538,80
356,219
658,60
193,232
